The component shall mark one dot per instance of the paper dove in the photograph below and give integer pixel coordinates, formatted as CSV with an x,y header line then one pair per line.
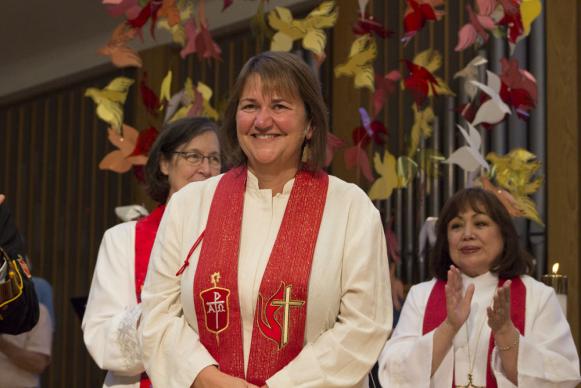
x,y
468,157
310,29
110,101
360,63
130,212
470,73
491,111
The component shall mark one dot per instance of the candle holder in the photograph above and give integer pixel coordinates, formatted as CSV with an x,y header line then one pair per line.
x,y
559,283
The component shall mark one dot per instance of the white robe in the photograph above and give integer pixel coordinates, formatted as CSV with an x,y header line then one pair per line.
x,y
109,323
349,306
546,355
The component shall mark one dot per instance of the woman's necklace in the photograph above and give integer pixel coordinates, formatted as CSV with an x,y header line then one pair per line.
x,y
472,361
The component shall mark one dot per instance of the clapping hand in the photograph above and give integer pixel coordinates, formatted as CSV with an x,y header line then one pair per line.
x,y
499,314
457,302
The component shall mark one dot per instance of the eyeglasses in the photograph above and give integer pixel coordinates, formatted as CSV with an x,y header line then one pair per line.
x,y
195,158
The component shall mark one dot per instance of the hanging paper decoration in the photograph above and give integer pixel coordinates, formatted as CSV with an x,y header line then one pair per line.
x,y
129,8
148,96
121,54
421,81
356,157
310,29
121,159
144,142
170,11
205,46
385,85
165,90
475,32
519,87
469,157
360,63
470,73
493,110
178,31
417,13
514,172
503,196
388,179
259,26
110,101
149,11
333,144
422,127
366,24
227,3
130,212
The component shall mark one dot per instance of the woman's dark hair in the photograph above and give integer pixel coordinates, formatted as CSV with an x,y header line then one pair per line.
x,y
289,75
513,261
169,140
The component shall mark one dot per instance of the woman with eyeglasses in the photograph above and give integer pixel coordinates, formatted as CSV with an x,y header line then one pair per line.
x,y
186,151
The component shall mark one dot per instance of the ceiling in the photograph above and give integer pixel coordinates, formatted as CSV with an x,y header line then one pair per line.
x,y
41,40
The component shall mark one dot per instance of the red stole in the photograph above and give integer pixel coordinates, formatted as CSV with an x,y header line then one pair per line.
x,y
436,313
145,231
279,322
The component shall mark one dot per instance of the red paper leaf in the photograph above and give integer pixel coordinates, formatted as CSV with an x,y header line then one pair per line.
x,y
333,144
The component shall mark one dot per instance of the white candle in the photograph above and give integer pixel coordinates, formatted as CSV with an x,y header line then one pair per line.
x,y
559,283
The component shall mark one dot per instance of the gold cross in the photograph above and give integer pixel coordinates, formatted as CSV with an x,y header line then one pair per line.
x,y
287,303
470,383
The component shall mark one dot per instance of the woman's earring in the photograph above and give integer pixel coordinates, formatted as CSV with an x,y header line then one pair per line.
x,y
306,157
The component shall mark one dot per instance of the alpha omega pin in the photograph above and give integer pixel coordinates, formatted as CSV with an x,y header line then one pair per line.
x,y
216,306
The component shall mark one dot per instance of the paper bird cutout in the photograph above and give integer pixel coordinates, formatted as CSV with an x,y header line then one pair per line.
x,y
519,87
422,127
384,86
388,179
417,13
360,63
491,111
476,31
518,17
129,8
130,212
110,101
121,160
333,144
149,11
469,157
514,172
421,81
259,25
356,157
503,196
121,54
148,97
144,142
366,24
170,11
310,29
165,90
227,3
205,46
470,73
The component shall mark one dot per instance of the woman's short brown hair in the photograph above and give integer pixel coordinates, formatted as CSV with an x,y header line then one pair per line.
x,y
513,261
169,140
288,74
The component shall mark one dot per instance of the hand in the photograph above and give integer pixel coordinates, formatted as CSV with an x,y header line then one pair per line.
x,y
457,303
2,198
212,377
499,314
